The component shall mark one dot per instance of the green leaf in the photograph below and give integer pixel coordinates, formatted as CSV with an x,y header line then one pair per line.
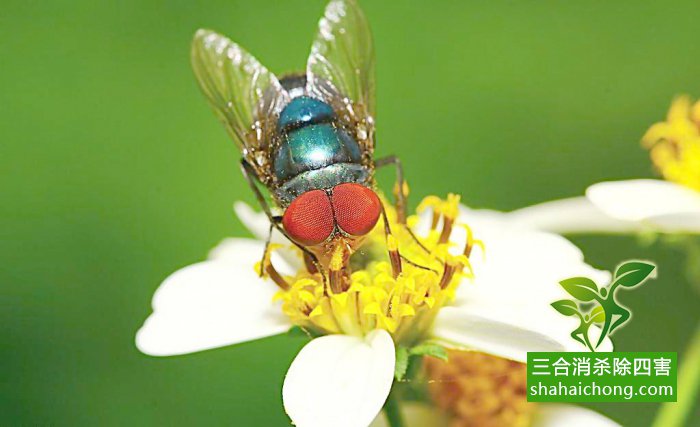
x,y
429,349
632,273
297,332
404,357
598,315
401,363
566,307
581,288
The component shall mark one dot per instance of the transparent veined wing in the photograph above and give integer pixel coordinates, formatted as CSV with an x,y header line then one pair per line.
x,y
244,94
341,63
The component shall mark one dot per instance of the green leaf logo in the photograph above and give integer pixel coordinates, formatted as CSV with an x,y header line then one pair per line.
x,y
606,310
597,315
632,273
566,307
581,288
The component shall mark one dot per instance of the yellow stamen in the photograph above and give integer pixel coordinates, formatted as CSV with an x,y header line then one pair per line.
x,y
394,256
471,242
337,265
674,145
435,203
448,273
476,389
382,291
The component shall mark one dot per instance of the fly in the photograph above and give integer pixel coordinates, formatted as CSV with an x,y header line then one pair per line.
x,y
308,138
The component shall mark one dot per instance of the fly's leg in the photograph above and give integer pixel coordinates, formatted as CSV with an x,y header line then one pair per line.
x,y
265,250
266,267
392,247
400,194
252,178
275,221
395,256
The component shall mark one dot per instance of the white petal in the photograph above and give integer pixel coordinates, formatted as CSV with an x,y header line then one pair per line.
x,y
510,296
340,380
573,215
415,414
461,328
677,223
256,222
230,249
521,263
643,199
547,415
211,304
557,414
259,225
468,330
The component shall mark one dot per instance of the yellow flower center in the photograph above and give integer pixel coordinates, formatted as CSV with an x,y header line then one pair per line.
x,y
674,144
396,282
477,389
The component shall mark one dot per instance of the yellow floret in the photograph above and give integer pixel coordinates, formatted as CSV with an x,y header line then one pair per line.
x,y
674,145
373,298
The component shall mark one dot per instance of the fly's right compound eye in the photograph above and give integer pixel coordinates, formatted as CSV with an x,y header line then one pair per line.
x,y
357,208
309,218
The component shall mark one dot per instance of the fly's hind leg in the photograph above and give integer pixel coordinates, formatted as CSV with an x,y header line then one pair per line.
x,y
400,194
275,221
392,247
395,256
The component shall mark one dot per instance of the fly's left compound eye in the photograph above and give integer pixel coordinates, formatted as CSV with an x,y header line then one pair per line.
x,y
309,218
357,208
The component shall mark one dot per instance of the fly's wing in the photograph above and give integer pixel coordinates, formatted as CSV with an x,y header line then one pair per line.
x,y
245,96
340,68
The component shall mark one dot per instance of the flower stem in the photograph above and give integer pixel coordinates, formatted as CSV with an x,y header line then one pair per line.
x,y
673,414
392,409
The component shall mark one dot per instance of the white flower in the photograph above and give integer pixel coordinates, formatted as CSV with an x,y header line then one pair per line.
x,y
636,205
344,380
547,415
670,206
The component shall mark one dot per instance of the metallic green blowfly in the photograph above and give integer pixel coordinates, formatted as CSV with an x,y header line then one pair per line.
x,y
307,137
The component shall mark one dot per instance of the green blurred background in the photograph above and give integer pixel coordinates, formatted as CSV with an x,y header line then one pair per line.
x,y
115,172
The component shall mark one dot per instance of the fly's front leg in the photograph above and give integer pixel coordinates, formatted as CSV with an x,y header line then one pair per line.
x,y
252,178
275,221
266,267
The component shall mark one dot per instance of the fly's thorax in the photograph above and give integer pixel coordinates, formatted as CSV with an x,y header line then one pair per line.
x,y
313,147
313,150
324,178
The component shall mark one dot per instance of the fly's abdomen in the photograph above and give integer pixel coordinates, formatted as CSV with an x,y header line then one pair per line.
x,y
314,152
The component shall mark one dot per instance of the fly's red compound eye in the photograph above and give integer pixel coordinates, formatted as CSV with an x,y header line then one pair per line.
x,y
309,218
357,208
